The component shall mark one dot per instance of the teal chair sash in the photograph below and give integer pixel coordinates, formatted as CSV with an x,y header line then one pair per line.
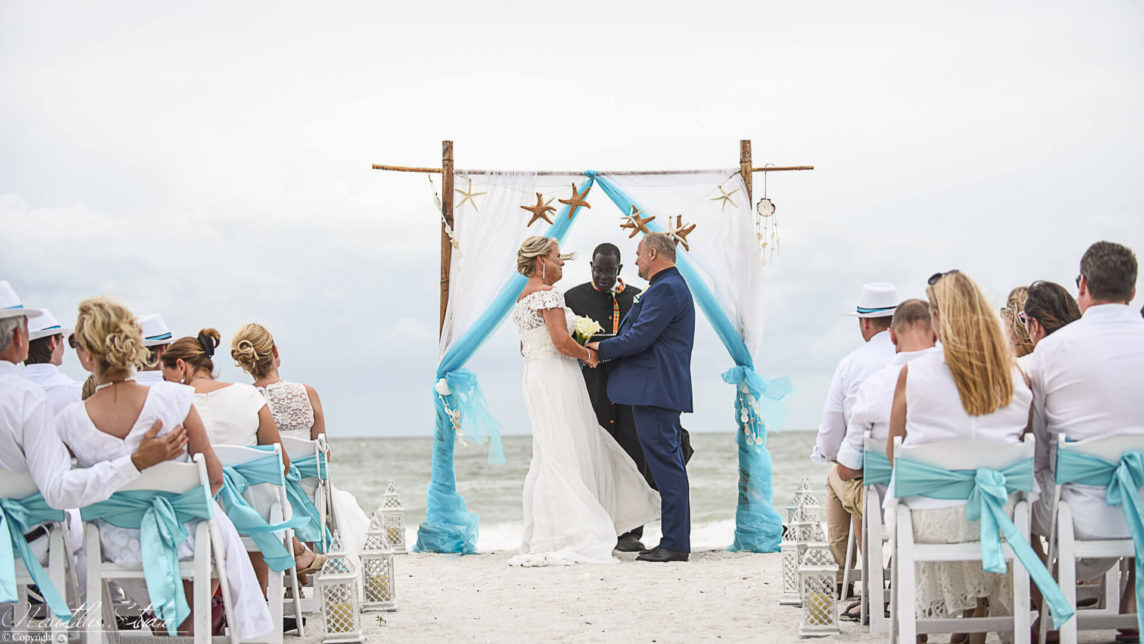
x,y
310,467
1123,481
875,469
312,530
247,520
159,517
18,517
986,492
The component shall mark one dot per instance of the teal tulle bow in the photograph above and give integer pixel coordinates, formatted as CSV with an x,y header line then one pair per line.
x,y
247,520
311,529
159,517
986,491
466,397
1123,481
875,469
18,517
309,467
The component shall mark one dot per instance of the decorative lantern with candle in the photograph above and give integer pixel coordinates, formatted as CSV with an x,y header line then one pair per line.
x,y
338,588
793,547
377,567
393,519
816,575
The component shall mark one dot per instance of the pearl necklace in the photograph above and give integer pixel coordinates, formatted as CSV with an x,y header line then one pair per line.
x,y
113,382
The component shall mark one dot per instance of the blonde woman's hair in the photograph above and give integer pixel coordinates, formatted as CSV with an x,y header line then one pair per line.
x,y
196,351
252,348
88,389
107,330
1019,338
975,348
532,250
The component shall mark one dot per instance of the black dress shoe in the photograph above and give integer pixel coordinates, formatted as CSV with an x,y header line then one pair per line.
x,y
630,543
648,550
663,554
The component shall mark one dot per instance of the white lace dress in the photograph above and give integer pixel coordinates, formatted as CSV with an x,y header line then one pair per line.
x,y
582,489
294,415
170,403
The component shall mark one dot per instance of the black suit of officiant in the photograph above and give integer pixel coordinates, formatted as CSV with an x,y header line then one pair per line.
x,y
586,300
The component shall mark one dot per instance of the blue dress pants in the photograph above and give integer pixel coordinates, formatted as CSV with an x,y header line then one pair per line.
x,y
660,436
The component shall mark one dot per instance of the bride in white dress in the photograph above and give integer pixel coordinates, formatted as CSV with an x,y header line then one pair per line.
x,y
581,490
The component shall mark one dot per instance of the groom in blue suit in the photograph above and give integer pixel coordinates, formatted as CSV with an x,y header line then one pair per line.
x,y
650,370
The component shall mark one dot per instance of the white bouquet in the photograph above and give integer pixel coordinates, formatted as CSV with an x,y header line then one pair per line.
x,y
584,328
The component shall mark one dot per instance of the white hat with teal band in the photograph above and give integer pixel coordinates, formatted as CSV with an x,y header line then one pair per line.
x,y
878,300
45,325
10,304
155,330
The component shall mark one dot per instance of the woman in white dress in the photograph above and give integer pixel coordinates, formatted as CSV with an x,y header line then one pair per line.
x,y
971,388
233,414
112,423
298,413
582,489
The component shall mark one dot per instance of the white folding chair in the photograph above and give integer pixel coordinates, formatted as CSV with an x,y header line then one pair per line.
x,y
955,455
1067,549
296,449
176,478
19,485
270,501
874,592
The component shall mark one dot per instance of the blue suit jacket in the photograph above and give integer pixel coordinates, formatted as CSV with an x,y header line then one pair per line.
x,y
651,355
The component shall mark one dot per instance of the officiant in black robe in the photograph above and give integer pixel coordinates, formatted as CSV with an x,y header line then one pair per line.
x,y
606,299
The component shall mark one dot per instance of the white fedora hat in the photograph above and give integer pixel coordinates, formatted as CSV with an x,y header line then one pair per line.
x,y
10,304
155,330
878,300
45,324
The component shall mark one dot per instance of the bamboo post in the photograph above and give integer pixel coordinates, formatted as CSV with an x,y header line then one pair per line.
x,y
745,167
447,221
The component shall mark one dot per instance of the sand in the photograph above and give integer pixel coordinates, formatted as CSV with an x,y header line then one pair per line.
x,y
717,595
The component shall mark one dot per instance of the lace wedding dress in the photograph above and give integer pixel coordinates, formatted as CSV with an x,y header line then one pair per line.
x,y
581,490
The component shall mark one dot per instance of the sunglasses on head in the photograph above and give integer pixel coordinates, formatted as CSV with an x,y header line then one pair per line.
x,y
72,342
936,277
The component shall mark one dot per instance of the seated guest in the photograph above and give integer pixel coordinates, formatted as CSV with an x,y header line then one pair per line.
x,y
114,419
970,389
911,331
45,355
298,413
1018,336
233,414
156,339
1047,308
1087,383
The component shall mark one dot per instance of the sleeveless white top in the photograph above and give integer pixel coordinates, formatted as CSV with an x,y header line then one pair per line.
x,y
934,412
230,414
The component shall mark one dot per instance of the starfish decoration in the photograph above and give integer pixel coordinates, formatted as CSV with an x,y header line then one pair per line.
x,y
679,232
469,196
725,197
635,222
540,210
576,201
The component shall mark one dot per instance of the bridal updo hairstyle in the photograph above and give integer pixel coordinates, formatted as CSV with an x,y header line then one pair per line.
x,y
107,330
530,252
253,349
196,352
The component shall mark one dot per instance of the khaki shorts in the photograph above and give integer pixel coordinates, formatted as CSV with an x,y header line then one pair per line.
x,y
852,497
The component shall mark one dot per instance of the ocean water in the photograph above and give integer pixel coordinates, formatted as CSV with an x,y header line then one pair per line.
x,y
362,466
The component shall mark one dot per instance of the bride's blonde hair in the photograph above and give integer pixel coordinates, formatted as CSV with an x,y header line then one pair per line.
x,y
532,250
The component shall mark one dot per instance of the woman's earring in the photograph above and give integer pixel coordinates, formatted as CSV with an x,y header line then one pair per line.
x,y
543,275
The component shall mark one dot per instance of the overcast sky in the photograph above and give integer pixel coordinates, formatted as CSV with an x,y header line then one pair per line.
x,y
210,161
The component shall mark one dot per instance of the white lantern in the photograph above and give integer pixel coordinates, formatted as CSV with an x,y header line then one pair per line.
x,y
393,519
792,547
338,588
377,568
816,575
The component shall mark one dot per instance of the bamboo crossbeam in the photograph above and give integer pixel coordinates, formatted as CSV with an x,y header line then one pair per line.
x,y
543,173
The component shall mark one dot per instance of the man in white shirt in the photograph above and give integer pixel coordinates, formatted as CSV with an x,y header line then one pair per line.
x,y
912,333
45,355
28,439
1088,382
875,307
156,338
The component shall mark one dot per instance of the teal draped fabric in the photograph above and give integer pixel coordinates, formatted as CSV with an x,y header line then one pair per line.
x,y
986,492
449,526
1123,481
250,522
875,469
310,529
758,528
309,467
18,517
159,516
